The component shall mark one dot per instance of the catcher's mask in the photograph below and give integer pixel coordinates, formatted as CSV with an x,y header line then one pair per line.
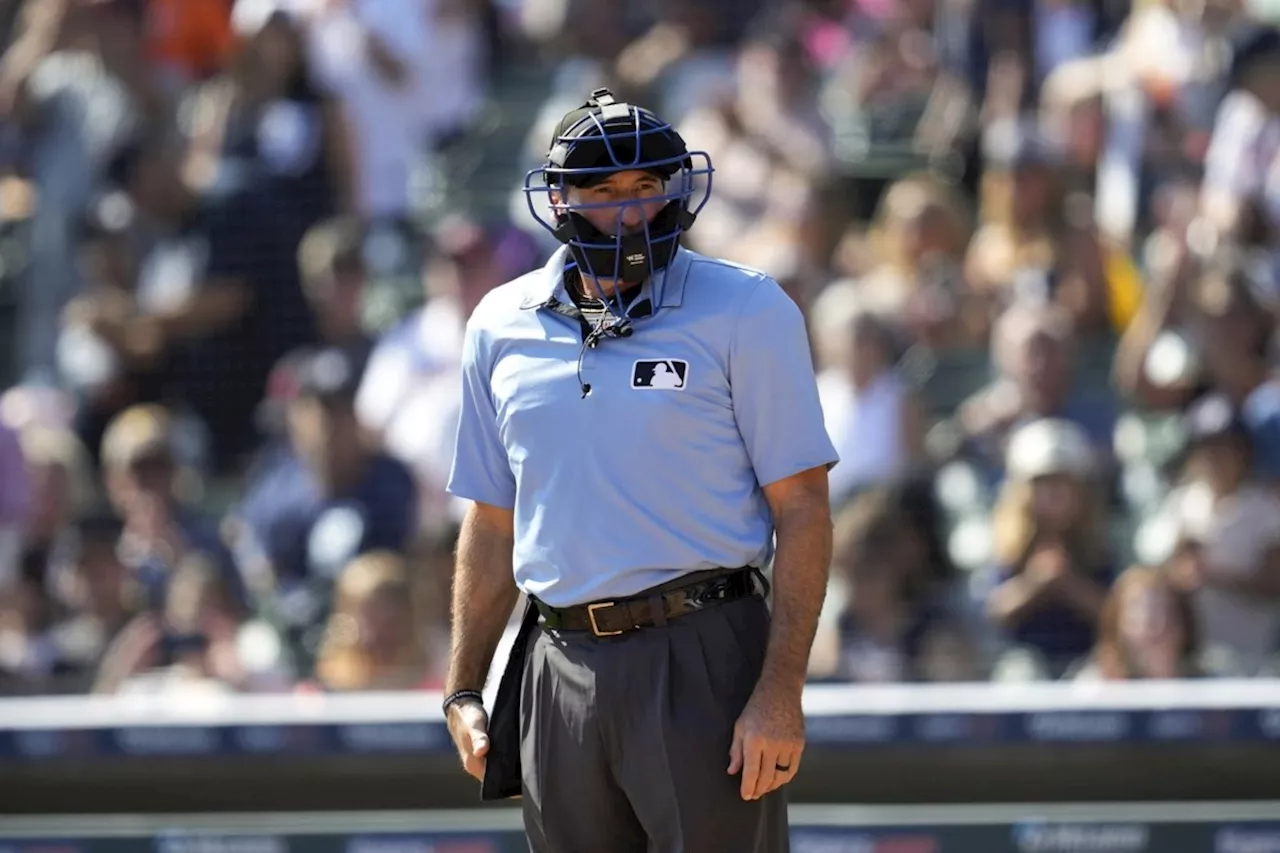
x,y
591,143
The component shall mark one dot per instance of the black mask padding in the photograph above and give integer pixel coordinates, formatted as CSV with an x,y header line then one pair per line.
x,y
590,152
636,258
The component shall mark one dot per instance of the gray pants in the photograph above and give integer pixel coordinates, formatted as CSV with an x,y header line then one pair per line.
x,y
625,740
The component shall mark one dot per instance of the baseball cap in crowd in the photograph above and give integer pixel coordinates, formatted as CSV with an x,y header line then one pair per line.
x,y
1049,446
331,374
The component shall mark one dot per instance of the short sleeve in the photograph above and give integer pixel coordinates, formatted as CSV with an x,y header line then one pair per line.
x,y
775,391
481,470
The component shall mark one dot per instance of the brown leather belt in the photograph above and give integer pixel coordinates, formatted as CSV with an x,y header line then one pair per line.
x,y
621,616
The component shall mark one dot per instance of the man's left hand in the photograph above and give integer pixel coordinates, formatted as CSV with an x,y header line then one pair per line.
x,y
768,740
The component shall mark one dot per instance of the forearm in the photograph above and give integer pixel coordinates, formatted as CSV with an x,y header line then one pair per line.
x,y
484,595
800,571
212,309
1013,601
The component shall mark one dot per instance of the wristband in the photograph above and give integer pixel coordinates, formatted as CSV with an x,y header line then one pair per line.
x,y
458,695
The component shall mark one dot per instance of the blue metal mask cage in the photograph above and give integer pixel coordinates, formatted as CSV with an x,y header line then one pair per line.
x,y
601,139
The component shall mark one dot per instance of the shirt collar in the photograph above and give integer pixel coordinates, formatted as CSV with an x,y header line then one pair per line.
x,y
548,283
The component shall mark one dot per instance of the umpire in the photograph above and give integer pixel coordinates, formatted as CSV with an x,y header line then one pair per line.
x,y
639,423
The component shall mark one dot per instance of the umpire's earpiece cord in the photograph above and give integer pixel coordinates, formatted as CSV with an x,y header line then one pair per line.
x,y
620,328
609,325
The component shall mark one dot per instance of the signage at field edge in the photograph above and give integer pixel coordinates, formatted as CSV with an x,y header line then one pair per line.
x,y
420,844
180,842
1081,838
1028,837
1246,839
835,840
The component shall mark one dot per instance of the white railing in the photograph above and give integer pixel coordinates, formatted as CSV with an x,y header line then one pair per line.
x,y
77,712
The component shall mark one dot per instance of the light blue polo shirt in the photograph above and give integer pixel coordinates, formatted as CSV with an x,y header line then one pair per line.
x,y
658,471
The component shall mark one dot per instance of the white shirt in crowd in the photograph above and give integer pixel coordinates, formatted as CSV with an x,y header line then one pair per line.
x,y
392,124
1235,533
865,427
1243,160
410,394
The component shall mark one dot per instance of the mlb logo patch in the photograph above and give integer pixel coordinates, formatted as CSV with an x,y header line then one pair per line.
x,y
659,374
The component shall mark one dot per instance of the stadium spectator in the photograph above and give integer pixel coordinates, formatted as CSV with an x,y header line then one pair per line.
x,y
78,89
189,646
1037,242
872,416
1032,350
376,637
142,469
62,492
369,57
28,656
327,495
1207,332
411,392
1148,629
331,262
1053,566
266,123
98,595
917,244
893,621
1241,198
1226,548
217,299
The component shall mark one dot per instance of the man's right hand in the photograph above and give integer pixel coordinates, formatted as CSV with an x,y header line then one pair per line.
x,y
469,727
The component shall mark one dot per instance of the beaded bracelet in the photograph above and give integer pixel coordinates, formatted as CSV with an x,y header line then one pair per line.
x,y
458,695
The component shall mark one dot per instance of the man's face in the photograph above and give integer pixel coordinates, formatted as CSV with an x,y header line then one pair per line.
x,y
336,298
623,202
323,432
142,483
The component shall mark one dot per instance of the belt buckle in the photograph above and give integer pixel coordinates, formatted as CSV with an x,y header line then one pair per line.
x,y
591,617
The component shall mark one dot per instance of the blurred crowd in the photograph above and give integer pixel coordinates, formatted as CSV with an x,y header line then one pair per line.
x,y
1035,240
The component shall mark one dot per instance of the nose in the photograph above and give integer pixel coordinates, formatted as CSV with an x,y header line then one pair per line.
x,y
631,214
